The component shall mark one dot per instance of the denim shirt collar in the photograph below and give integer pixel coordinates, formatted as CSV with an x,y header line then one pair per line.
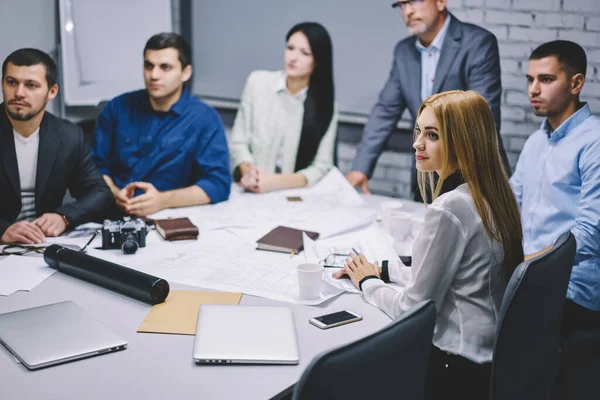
x,y
178,108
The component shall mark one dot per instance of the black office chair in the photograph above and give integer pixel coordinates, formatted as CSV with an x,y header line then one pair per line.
x,y
527,348
391,362
580,367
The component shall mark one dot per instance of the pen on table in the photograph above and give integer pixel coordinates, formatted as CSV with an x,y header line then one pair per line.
x,y
333,266
354,250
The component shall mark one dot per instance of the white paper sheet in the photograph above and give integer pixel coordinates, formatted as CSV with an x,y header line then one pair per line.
x,y
372,242
331,207
221,262
22,273
333,187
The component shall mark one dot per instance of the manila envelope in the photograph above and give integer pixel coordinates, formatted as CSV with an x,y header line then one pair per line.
x,y
179,313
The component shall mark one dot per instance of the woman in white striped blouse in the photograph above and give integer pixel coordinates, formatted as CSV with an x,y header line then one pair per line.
x,y
285,130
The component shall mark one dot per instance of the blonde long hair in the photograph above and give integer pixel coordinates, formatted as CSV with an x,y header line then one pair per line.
x,y
468,141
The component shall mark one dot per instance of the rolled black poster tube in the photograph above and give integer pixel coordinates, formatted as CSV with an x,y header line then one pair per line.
x,y
127,281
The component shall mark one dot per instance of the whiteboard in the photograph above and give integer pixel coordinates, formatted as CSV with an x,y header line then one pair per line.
x,y
232,38
102,44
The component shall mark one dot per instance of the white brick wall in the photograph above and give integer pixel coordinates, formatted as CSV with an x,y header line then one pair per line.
x,y
512,113
536,5
518,34
516,18
520,26
592,24
555,20
488,4
581,6
516,97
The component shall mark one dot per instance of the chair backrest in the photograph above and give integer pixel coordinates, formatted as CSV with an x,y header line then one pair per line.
x,y
527,347
390,361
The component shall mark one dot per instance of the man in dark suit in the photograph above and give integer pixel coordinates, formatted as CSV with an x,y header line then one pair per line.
x,y
41,156
442,54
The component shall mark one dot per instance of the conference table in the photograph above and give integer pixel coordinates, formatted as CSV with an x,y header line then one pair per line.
x,y
160,366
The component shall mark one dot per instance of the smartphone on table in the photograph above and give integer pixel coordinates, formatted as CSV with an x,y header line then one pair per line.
x,y
335,319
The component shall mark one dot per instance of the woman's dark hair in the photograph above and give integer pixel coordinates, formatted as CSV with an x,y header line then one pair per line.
x,y
318,106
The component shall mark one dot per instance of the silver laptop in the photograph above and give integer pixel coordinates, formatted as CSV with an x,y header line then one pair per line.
x,y
55,333
245,335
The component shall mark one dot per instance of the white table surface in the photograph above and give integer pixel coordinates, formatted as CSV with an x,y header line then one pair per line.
x,y
160,366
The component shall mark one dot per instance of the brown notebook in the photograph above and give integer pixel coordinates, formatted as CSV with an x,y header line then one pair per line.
x,y
284,239
176,229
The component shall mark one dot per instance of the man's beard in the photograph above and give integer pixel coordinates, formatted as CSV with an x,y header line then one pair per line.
x,y
24,117
540,113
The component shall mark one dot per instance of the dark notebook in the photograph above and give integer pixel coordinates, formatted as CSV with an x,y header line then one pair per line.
x,y
284,239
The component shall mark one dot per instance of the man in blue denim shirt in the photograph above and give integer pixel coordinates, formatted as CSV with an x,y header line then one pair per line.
x,y
557,178
161,147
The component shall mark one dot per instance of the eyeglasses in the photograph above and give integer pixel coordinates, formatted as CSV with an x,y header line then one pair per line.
x,y
16,249
13,249
402,4
334,260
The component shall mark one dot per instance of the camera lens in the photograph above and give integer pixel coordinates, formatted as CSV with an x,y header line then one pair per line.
x,y
129,243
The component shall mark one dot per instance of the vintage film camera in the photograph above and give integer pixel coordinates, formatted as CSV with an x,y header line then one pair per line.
x,y
126,234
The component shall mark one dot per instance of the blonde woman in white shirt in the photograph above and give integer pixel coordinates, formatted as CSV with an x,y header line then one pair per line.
x,y
285,130
470,244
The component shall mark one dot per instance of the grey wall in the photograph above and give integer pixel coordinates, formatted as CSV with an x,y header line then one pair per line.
x,y
100,53
28,23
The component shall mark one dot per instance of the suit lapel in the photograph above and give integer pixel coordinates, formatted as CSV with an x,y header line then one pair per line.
x,y
49,147
450,49
413,65
8,154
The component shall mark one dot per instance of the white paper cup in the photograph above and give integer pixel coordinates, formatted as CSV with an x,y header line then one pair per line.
x,y
309,281
400,225
388,207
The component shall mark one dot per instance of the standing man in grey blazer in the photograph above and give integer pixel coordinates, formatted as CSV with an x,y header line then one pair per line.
x,y
442,54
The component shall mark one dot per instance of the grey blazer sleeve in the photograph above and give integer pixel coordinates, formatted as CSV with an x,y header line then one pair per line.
x,y
484,78
384,116
484,73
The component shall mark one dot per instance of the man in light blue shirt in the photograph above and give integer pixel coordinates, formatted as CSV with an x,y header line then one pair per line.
x,y
557,178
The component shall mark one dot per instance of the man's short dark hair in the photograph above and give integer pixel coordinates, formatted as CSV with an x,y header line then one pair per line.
x,y
168,40
28,57
570,55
